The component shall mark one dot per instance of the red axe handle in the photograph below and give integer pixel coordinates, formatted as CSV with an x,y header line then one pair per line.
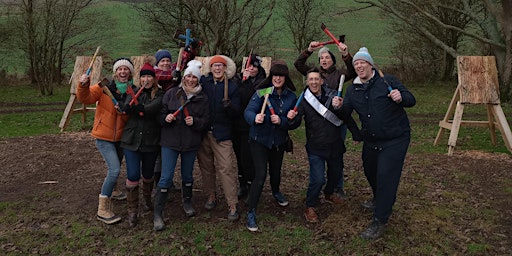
x,y
324,28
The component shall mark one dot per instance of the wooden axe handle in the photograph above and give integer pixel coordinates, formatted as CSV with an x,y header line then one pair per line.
x,y
264,104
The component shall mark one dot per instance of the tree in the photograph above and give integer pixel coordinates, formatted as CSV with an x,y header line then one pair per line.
x,y
303,19
229,27
490,23
48,32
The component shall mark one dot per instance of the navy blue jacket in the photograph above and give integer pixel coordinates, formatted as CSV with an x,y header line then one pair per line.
x,y
267,133
382,119
221,117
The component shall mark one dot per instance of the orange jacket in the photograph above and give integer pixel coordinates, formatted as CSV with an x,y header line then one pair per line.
x,y
108,123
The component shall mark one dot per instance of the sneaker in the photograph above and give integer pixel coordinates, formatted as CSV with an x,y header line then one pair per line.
x,y
211,203
369,204
334,199
374,230
233,213
311,215
118,195
251,221
281,200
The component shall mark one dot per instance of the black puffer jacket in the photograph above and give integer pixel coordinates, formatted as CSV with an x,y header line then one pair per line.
x,y
177,135
246,91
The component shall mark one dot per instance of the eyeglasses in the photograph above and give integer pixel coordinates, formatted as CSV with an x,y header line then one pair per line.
x,y
218,65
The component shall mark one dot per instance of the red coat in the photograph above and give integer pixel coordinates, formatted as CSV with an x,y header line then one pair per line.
x,y
108,122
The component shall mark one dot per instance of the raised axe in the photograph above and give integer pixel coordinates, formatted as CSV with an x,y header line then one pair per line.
x,y
186,49
89,69
104,84
247,64
265,92
135,97
340,39
324,28
182,108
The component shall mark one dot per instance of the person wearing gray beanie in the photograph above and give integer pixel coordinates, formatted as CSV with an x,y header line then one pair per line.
x,y
380,103
331,76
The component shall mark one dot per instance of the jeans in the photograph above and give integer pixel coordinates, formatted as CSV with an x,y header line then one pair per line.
x,y
133,165
113,155
317,177
340,185
263,156
169,161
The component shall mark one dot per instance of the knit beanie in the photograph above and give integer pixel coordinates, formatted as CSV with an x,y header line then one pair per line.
x,y
278,68
160,54
123,62
325,49
193,68
147,69
363,54
218,59
255,60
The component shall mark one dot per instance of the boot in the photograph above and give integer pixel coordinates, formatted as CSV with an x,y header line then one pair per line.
x,y
147,189
160,200
133,205
105,213
187,200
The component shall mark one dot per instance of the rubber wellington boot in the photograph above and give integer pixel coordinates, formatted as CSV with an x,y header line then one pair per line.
x,y
133,205
147,189
160,200
187,200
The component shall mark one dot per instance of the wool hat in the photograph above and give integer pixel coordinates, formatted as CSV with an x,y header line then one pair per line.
x,y
193,68
325,49
278,68
160,54
218,59
147,69
363,54
255,60
123,62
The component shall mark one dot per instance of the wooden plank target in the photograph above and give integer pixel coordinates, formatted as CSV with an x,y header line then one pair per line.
x,y
478,80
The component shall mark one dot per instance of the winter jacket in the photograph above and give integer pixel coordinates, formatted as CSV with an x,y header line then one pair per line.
x,y
323,137
142,132
267,133
177,135
381,118
246,92
108,122
331,75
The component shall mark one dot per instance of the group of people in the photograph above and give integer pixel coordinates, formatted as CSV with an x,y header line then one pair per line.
x,y
216,115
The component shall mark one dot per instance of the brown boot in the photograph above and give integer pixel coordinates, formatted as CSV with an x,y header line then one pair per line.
x,y
133,205
105,213
147,189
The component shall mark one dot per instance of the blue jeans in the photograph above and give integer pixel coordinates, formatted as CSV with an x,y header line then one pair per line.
x,y
169,160
113,155
317,177
136,159
340,185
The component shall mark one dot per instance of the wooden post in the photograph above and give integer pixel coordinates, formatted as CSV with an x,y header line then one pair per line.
x,y
478,84
81,65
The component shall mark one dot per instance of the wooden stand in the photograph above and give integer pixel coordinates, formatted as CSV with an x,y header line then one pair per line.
x,y
81,65
478,84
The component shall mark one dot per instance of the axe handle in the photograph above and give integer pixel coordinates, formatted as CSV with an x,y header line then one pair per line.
x,y
264,104
324,28
180,57
89,69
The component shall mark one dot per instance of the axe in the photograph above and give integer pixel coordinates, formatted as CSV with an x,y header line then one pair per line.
x,y
341,39
247,64
265,92
340,87
135,97
324,28
183,106
88,72
272,112
104,84
299,100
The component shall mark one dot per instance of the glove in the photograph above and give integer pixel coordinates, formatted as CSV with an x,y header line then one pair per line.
x,y
139,108
127,108
226,103
176,76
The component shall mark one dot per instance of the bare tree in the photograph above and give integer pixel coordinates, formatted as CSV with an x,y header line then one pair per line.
x,y
303,18
228,27
49,32
490,24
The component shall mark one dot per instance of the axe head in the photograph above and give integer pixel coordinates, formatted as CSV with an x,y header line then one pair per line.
x,y
264,91
104,82
342,38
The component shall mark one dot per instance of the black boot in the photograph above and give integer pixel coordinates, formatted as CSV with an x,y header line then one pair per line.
x,y
160,200
187,200
374,230
133,205
147,189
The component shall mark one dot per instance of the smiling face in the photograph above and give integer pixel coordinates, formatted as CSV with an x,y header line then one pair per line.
x,y
190,81
326,60
278,82
314,81
164,64
123,74
363,70
218,70
147,81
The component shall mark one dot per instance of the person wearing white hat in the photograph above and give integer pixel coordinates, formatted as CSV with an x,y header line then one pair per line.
x,y
380,103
